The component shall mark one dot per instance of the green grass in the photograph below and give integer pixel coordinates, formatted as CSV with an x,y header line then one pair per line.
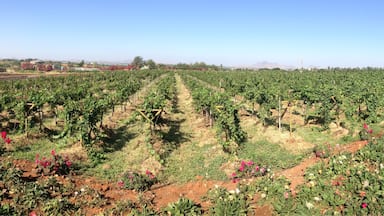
x,y
268,154
314,136
190,161
129,156
27,148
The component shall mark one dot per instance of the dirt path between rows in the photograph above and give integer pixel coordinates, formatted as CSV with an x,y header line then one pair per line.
x,y
193,123
193,127
296,174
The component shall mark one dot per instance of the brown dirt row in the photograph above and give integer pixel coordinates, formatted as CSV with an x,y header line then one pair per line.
x,y
296,174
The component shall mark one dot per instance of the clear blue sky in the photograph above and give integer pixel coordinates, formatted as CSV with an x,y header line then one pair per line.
x,y
346,33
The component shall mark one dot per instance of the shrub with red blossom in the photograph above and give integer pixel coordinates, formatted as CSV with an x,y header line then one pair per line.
x,y
56,164
5,140
248,169
366,132
137,181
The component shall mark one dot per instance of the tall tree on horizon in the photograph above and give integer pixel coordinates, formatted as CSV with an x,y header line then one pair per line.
x,y
138,62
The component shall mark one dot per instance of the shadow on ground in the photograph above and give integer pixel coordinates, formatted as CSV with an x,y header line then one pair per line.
x,y
118,139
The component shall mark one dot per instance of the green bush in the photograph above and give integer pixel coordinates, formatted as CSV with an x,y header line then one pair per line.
x,y
137,181
183,206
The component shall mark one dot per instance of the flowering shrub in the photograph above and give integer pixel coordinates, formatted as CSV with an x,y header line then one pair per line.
x,y
322,151
137,181
366,132
224,202
248,169
25,197
346,184
57,164
5,139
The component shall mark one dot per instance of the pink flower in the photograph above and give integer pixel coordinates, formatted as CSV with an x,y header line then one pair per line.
x,y
233,174
369,131
364,205
250,163
286,195
262,170
365,126
53,153
3,134
32,213
257,168
45,163
37,159
243,163
241,169
7,140
68,163
120,183
149,174
235,180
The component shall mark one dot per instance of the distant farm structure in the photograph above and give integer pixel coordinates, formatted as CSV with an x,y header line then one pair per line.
x,y
37,65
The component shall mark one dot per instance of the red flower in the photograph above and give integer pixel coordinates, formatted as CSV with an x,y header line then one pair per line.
x,y
37,158
7,140
365,126
120,183
364,205
243,163
68,163
369,131
53,153
3,134
241,169
149,174
45,163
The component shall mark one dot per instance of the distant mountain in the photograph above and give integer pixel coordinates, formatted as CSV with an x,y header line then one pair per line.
x,y
270,65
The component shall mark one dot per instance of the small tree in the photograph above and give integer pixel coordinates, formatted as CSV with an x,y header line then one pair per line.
x,y
151,64
138,62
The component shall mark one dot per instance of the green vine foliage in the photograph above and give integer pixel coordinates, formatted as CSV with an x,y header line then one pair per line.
x,y
220,109
327,96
